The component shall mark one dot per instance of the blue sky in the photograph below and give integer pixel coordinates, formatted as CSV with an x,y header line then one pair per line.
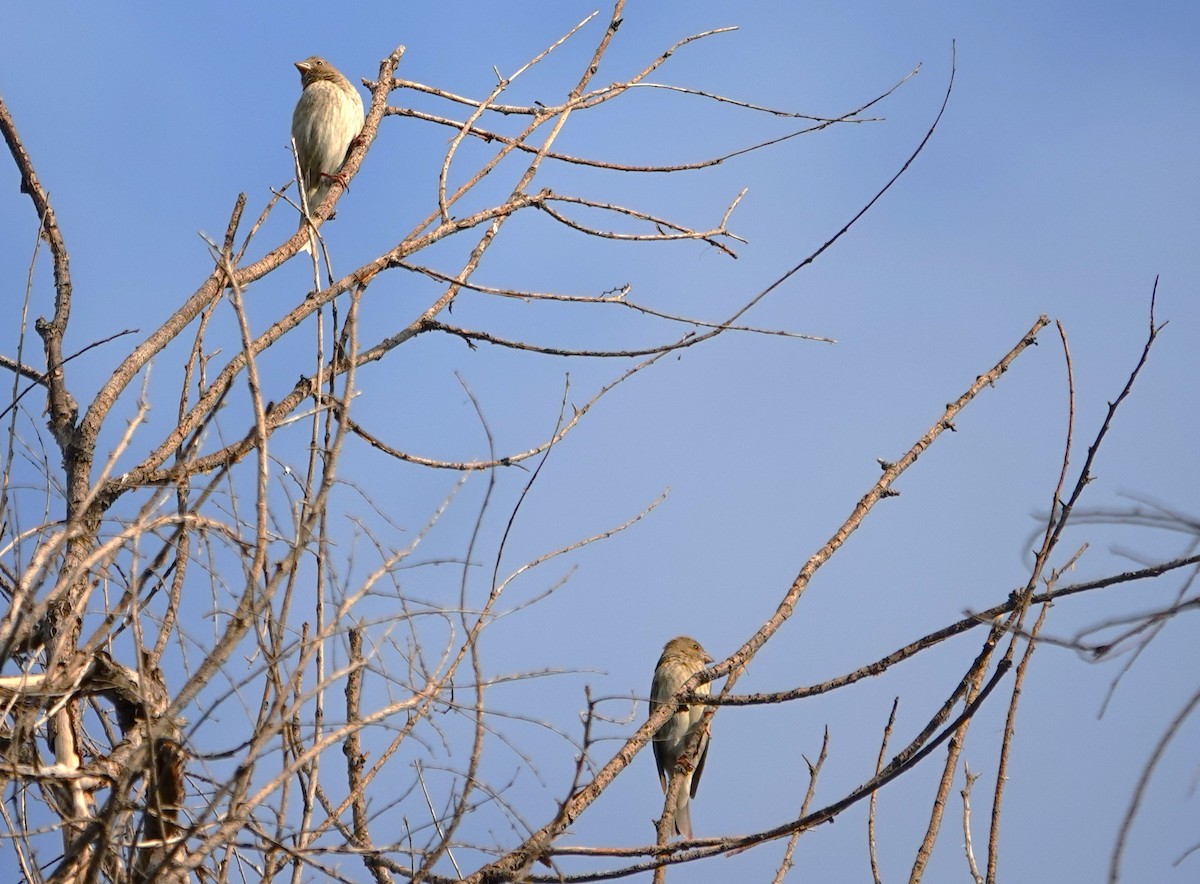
x,y
1062,180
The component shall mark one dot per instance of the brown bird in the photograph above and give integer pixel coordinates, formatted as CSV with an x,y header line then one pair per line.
x,y
682,657
328,116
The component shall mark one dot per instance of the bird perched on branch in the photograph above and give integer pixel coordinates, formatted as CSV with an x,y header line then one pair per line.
x,y
327,118
682,657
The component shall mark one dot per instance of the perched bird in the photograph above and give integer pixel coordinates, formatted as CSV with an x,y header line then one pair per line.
x,y
682,657
328,116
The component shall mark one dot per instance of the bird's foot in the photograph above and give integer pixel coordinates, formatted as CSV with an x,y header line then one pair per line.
x,y
338,177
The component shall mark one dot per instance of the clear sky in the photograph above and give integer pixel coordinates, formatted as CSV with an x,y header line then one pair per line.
x,y
1062,180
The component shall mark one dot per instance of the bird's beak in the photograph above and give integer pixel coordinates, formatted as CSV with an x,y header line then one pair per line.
x,y
302,66
708,659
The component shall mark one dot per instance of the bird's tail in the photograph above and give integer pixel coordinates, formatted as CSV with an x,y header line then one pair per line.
x,y
313,199
309,247
683,810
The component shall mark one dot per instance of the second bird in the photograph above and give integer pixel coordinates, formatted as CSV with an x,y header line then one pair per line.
x,y
681,659
328,116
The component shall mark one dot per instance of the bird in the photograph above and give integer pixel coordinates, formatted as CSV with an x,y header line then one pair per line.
x,y
682,657
327,118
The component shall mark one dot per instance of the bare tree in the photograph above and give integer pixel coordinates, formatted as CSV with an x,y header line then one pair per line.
x,y
202,682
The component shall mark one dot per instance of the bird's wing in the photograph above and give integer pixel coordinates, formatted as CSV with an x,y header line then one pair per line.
x,y
701,756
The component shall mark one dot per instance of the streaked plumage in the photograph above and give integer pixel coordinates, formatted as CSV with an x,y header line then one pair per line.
x,y
328,116
682,657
